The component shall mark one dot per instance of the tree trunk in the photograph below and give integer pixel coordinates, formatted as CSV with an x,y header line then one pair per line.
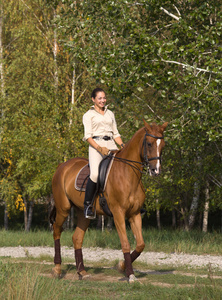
x,y
185,219
55,52
99,222
1,53
26,214
29,221
6,217
73,94
196,196
174,220
158,215
206,207
194,205
110,223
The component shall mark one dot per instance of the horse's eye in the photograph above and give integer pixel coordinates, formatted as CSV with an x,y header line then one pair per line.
x,y
149,145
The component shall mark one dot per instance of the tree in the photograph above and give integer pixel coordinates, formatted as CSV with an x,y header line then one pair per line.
x,y
169,51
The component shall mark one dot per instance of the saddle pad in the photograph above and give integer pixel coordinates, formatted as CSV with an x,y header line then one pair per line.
x,y
82,178
83,175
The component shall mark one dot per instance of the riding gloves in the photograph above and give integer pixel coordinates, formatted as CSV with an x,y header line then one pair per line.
x,y
103,150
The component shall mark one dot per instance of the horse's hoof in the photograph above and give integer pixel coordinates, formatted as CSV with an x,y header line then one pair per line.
x,y
83,275
121,266
132,279
56,272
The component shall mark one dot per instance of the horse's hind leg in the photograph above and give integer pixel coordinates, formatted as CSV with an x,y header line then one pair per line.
x,y
62,211
78,236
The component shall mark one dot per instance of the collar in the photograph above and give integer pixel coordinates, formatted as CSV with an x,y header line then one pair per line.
x,y
93,108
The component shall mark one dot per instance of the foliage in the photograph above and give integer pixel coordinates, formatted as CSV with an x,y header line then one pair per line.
x,y
158,60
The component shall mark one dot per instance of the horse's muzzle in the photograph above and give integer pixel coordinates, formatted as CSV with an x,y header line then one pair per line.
x,y
154,171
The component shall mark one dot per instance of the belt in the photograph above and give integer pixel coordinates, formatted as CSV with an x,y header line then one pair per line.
x,y
106,138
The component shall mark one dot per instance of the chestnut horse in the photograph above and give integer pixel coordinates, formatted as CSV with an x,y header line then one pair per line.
x,y
124,193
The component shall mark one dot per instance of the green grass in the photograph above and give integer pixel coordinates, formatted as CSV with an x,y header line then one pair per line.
x,y
21,280
165,240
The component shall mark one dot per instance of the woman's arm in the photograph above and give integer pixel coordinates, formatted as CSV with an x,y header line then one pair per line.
x,y
119,141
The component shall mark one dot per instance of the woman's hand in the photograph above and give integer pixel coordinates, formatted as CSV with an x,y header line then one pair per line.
x,y
103,150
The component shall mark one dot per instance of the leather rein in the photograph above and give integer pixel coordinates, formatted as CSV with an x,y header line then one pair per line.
x,y
146,160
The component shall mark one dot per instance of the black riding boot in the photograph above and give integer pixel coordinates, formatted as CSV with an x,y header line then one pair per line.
x,y
89,194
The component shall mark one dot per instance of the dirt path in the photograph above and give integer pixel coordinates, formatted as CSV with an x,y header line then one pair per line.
x,y
97,254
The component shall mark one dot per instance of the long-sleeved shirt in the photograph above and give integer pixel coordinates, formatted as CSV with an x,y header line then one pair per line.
x,y
96,124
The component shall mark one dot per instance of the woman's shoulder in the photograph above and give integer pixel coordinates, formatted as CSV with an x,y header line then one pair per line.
x,y
110,112
89,112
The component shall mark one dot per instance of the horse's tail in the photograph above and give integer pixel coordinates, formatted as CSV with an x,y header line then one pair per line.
x,y
52,215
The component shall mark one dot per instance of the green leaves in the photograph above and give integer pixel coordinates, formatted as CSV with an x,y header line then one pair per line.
x,y
164,64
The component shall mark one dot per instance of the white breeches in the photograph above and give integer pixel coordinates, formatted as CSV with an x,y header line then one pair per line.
x,y
95,157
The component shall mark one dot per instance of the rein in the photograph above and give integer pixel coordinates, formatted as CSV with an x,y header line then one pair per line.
x,y
146,160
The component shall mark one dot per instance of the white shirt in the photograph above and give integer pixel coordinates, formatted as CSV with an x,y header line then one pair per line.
x,y
96,124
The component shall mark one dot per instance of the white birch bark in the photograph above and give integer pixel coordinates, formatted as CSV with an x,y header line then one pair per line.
x,y
55,52
1,53
206,207
73,94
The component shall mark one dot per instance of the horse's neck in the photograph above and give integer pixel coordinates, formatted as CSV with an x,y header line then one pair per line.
x,y
134,147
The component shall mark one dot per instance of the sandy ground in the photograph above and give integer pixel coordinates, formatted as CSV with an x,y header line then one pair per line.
x,y
99,254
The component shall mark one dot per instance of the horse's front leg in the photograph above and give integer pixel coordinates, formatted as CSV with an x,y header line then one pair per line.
x,y
136,226
119,219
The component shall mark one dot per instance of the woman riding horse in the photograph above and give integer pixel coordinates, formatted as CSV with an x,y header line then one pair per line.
x,y
124,193
100,131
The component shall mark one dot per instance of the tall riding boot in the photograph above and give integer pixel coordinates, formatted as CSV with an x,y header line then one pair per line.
x,y
89,194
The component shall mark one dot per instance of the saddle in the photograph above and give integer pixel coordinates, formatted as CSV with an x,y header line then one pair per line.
x,y
104,169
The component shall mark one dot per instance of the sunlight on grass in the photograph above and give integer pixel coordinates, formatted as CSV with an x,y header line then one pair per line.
x,y
158,241
25,281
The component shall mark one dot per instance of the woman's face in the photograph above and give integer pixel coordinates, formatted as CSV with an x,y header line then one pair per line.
x,y
100,100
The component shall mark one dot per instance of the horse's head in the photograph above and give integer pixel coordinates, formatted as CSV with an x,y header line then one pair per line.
x,y
153,144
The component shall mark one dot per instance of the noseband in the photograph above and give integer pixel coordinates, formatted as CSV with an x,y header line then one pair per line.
x,y
146,160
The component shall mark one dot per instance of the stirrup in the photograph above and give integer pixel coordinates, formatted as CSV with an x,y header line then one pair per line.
x,y
86,213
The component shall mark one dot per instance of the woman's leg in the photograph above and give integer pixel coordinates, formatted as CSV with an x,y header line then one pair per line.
x,y
94,160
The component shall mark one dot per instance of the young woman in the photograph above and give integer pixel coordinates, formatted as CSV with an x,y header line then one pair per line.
x,y
100,131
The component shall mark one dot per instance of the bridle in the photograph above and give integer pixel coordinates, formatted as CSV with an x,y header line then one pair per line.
x,y
146,160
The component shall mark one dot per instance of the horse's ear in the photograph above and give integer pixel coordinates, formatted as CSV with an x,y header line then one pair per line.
x,y
147,125
164,126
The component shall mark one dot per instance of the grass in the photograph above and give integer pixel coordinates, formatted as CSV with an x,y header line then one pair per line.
x,y
30,278
21,280
168,241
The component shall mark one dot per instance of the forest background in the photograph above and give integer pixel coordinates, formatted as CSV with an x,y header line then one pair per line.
x,y
157,60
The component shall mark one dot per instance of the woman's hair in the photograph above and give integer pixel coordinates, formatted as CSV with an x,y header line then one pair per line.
x,y
95,91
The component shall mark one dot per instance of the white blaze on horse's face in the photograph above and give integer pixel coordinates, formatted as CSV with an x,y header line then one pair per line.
x,y
158,155
155,169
